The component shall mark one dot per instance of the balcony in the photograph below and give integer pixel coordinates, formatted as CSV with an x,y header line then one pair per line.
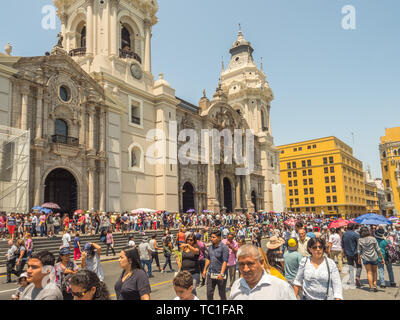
x,y
77,52
128,54
65,140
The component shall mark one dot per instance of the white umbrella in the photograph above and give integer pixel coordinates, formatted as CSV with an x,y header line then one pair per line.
x,y
147,210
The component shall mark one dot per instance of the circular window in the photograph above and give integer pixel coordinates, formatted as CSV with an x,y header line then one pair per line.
x,y
64,94
237,59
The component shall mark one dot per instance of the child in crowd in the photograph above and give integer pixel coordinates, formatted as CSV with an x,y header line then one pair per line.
x,y
23,283
183,286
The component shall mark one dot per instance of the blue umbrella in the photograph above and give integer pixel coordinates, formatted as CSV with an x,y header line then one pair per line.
x,y
372,218
318,220
45,210
37,208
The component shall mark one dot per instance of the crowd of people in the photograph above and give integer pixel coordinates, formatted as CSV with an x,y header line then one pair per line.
x,y
301,261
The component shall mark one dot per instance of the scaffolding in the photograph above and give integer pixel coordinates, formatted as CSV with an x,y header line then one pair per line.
x,y
14,169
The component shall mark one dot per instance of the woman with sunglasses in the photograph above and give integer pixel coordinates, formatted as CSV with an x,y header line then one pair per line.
x,y
133,284
318,275
86,285
190,259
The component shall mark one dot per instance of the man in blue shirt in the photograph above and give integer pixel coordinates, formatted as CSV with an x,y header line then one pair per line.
x,y
216,260
349,245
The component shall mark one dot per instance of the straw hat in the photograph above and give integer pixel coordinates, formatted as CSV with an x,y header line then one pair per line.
x,y
274,243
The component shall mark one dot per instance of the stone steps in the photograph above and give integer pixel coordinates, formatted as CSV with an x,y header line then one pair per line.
x,y
53,244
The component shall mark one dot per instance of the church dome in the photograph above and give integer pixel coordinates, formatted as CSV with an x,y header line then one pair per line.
x,y
241,44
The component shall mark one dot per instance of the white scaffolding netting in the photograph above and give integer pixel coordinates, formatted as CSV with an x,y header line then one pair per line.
x,y
14,169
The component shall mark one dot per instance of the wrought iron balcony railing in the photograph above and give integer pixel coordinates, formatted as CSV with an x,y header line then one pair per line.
x,y
129,54
77,52
65,140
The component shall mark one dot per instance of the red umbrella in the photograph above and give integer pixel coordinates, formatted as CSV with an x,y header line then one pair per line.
x,y
79,211
338,223
50,205
290,222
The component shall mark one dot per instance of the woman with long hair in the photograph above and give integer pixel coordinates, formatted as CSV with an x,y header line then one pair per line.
x,y
133,283
86,285
190,259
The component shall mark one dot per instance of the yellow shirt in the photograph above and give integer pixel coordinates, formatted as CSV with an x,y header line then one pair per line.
x,y
113,218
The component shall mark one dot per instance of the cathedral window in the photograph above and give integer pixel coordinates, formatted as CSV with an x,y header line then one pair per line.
x,y
135,158
83,37
135,112
64,93
61,128
125,39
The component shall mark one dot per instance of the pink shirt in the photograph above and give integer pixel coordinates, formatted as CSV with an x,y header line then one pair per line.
x,y
2,222
232,255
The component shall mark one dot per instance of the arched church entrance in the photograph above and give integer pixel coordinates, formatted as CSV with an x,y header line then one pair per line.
x,y
61,188
188,197
254,200
228,195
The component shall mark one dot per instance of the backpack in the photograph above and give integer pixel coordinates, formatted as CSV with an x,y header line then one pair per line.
x,y
391,252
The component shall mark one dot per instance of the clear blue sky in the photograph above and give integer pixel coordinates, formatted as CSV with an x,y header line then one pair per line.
x,y
326,80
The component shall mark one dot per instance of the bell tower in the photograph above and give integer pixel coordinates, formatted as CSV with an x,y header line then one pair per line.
x,y
247,87
105,35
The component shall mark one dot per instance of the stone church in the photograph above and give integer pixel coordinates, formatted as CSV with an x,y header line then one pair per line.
x,y
90,103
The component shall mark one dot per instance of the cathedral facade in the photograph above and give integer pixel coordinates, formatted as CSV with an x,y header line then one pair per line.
x,y
102,128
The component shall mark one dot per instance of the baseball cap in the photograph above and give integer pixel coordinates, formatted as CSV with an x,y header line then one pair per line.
x,y
292,244
23,275
87,247
64,251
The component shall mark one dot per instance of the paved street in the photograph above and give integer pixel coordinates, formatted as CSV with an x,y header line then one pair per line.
x,y
162,284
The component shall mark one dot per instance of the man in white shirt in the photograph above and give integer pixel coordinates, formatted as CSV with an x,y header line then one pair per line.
x,y
66,239
256,284
335,248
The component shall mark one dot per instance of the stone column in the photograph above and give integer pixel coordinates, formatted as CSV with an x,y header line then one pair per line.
x,y
37,187
64,21
24,107
45,116
113,27
103,114
147,50
39,113
91,189
89,27
102,185
91,112
82,128
238,202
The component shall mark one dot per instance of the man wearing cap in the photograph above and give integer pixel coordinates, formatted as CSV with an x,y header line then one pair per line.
x,y
145,255
91,259
292,260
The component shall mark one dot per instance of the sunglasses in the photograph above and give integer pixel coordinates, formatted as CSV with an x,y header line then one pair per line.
x,y
78,294
316,247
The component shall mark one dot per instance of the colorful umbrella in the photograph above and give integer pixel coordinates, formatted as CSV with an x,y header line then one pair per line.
x,y
190,211
393,218
79,211
318,220
338,223
290,222
372,218
50,205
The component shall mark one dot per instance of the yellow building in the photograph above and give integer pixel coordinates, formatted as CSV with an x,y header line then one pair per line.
x,y
389,149
323,176
371,194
